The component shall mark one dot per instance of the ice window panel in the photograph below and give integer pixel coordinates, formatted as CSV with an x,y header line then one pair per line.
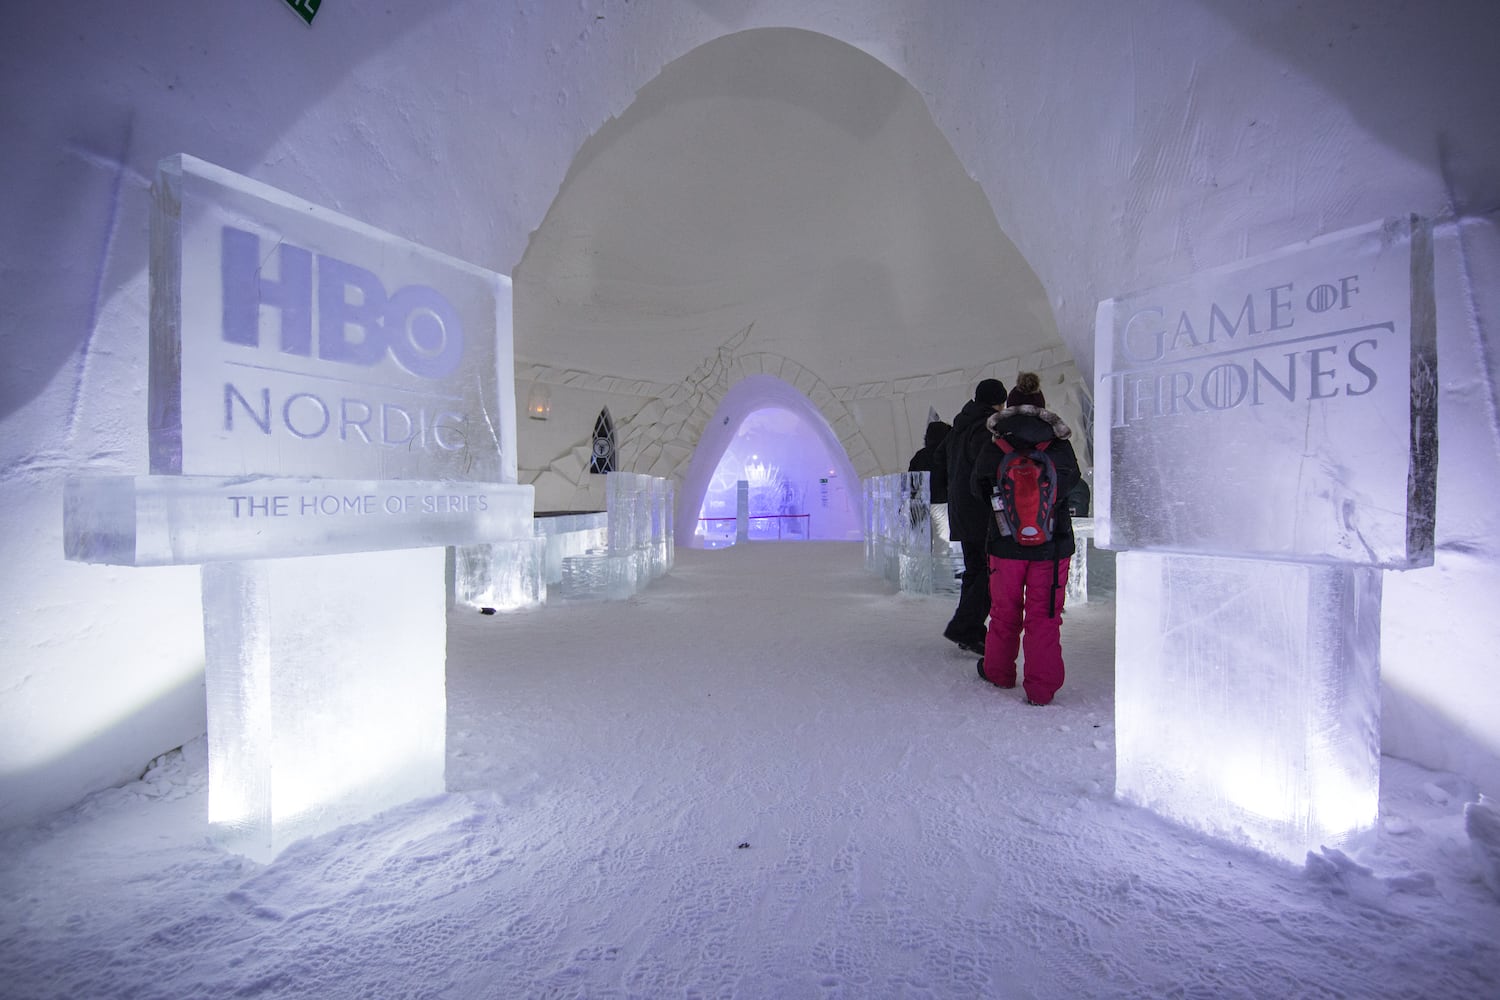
x,y
1247,697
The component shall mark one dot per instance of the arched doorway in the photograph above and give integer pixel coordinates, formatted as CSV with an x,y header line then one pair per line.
x,y
769,434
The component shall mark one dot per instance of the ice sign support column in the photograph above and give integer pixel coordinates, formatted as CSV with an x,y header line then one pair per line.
x,y
1266,442
329,408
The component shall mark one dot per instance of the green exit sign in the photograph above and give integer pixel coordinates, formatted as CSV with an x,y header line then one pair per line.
x,y
306,9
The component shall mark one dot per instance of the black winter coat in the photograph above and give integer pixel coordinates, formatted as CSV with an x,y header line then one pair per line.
x,y
925,460
1028,426
968,516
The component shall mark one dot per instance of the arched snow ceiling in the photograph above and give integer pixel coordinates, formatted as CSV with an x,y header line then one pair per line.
x,y
780,178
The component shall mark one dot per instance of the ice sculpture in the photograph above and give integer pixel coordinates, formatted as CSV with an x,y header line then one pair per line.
x,y
900,541
1247,697
317,386
1266,444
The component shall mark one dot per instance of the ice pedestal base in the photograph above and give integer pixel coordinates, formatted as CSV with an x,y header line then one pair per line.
x,y
501,575
1248,698
326,691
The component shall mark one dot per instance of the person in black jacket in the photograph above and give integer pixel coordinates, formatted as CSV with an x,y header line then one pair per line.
x,y
937,490
968,515
1027,583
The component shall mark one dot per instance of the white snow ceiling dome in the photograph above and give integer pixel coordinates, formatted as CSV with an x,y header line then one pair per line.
x,y
778,180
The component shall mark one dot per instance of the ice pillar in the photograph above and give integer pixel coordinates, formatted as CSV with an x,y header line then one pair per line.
x,y
1248,697
326,701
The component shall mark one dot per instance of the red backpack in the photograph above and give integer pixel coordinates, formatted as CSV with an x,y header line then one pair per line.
x,y
1025,493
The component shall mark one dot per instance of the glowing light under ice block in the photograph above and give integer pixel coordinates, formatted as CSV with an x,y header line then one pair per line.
x,y
1248,697
326,691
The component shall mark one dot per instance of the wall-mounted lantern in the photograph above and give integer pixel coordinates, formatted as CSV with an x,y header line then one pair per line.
x,y
539,402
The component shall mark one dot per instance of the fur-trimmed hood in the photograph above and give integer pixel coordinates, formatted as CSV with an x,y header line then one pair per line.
x,y
1028,423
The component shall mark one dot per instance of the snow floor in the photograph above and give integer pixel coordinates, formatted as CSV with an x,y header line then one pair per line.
x,y
765,776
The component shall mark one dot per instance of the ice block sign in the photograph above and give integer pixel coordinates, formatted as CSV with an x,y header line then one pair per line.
x,y
289,340
330,407
1266,443
1284,407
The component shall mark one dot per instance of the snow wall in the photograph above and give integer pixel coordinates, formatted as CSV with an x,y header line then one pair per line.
x,y
1111,150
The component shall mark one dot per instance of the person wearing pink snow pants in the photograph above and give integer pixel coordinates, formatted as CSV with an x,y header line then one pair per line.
x,y
1027,582
1021,622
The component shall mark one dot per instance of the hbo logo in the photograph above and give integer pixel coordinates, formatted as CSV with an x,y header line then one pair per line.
x,y
417,325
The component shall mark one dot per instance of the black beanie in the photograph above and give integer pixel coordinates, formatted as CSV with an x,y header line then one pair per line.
x,y
990,392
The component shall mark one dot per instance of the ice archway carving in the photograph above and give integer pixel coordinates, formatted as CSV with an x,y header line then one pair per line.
x,y
749,394
665,436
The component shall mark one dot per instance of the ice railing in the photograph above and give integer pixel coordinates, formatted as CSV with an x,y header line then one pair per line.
x,y
900,541
609,555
